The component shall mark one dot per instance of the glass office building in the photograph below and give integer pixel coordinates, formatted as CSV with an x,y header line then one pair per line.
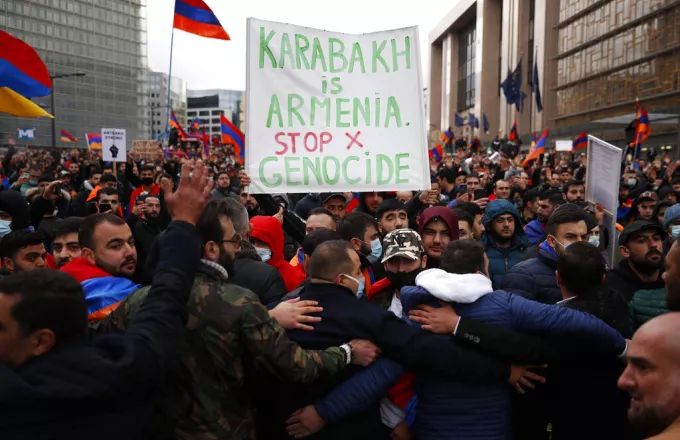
x,y
105,40
207,105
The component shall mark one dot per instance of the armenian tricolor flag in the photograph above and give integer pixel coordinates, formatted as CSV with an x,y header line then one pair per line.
x,y
195,17
580,142
447,136
437,152
537,149
642,129
195,124
232,135
475,144
23,76
513,136
174,124
66,137
94,141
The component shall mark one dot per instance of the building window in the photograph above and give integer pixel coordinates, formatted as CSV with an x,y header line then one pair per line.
x,y
204,113
467,43
191,114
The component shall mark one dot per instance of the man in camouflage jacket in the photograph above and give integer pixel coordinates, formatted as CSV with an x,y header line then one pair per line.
x,y
229,331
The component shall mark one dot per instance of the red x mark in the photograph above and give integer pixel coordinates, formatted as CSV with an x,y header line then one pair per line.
x,y
353,140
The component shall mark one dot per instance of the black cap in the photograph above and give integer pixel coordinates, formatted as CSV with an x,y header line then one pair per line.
x,y
325,196
636,227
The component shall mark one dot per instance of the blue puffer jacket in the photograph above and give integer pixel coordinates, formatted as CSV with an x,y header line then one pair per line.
x,y
535,278
451,409
501,260
535,232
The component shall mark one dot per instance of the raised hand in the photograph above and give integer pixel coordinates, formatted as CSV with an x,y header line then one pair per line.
x,y
191,197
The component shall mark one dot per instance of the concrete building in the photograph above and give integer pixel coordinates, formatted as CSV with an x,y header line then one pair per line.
x,y
158,102
208,105
106,41
594,59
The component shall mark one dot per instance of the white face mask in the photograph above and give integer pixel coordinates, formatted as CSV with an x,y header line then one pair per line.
x,y
594,240
264,253
675,231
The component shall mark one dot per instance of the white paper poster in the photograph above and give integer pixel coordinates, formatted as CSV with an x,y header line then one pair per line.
x,y
602,186
114,145
563,145
334,112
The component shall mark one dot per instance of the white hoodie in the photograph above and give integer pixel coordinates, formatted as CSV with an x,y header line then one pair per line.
x,y
451,287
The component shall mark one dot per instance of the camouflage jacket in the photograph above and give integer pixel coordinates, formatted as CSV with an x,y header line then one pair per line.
x,y
228,330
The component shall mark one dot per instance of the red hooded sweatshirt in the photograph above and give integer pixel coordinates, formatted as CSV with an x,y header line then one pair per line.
x,y
270,231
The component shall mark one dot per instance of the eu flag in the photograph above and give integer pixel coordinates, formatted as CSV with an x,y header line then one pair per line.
x,y
485,123
459,120
508,91
472,119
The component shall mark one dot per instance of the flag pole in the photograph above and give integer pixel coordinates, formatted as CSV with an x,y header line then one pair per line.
x,y
167,109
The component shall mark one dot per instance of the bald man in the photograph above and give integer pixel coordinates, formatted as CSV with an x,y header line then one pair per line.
x,y
652,378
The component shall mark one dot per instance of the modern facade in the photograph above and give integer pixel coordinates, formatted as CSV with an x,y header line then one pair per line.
x,y
594,59
208,105
158,102
103,39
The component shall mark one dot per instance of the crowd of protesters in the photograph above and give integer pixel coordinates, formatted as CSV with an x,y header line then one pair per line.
x,y
160,299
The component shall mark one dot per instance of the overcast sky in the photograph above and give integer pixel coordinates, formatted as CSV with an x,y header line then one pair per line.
x,y
205,63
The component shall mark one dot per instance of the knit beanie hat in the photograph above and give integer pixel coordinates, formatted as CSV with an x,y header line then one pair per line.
x,y
672,214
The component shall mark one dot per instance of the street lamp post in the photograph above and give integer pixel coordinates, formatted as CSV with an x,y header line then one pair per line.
x,y
54,109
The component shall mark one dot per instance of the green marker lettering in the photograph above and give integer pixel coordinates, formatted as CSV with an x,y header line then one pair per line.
x,y
377,56
264,48
381,160
336,178
322,104
311,168
290,168
274,109
339,112
396,54
357,56
401,167
345,164
393,111
337,54
301,46
365,111
277,176
293,109
286,51
317,54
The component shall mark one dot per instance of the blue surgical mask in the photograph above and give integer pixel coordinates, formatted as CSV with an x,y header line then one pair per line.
x,y
376,251
264,253
595,240
5,227
361,283
675,231
632,182
33,182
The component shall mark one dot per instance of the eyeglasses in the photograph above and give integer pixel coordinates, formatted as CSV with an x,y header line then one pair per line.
x,y
236,239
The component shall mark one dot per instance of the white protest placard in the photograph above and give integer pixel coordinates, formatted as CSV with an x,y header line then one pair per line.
x,y
603,176
114,145
334,112
563,145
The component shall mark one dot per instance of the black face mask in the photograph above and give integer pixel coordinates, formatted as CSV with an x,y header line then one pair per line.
x,y
146,181
402,279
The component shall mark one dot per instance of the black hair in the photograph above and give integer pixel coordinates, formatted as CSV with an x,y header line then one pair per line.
x,y
331,258
48,299
315,238
553,196
657,208
463,257
209,226
17,240
148,168
389,205
217,176
106,178
675,181
354,225
89,226
46,178
108,192
472,175
581,267
447,174
530,197
68,225
465,216
321,211
664,191
573,182
470,207
567,213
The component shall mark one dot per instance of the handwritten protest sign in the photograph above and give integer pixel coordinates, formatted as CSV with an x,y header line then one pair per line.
x,y
145,150
334,112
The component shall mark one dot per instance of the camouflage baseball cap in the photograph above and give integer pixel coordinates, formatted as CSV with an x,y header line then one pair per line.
x,y
403,243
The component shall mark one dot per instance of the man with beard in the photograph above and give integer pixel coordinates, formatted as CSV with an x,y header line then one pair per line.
x,y
437,226
222,188
21,251
361,230
640,244
249,202
574,191
65,246
108,259
145,228
547,202
535,278
652,378
504,239
229,332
